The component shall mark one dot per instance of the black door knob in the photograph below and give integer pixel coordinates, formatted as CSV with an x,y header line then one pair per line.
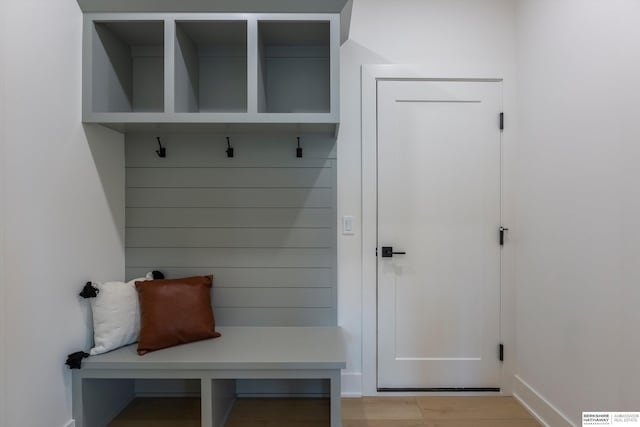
x,y
387,252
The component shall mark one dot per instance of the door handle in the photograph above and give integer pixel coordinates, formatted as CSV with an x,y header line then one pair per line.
x,y
387,252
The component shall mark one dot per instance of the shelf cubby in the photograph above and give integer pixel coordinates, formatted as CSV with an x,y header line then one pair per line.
x,y
211,66
294,67
146,71
127,61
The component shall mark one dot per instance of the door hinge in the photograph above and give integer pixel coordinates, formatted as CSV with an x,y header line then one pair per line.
x,y
501,121
501,352
376,251
501,231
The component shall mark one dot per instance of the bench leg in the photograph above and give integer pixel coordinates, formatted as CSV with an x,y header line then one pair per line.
x,y
336,412
206,397
77,408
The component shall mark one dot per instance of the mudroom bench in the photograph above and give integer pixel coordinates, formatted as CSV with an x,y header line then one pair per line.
x,y
105,384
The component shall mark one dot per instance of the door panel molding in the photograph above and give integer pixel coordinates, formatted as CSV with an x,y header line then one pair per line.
x,y
371,74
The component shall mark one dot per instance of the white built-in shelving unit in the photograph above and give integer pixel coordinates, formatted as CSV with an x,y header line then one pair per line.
x,y
145,70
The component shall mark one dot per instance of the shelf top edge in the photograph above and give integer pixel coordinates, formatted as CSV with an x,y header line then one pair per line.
x,y
205,6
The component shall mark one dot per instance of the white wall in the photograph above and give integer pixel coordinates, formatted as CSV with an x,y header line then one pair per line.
x,y
63,208
3,39
457,38
579,204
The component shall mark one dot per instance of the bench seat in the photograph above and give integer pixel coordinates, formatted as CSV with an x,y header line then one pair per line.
x,y
104,385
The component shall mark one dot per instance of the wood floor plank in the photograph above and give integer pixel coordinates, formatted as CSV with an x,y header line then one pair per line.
x,y
263,423
155,423
478,408
485,423
363,412
385,423
383,408
281,410
163,409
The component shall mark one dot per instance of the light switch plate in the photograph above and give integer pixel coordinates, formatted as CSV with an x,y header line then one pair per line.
x,y
347,225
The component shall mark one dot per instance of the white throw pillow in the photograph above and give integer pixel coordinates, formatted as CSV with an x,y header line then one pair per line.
x,y
116,315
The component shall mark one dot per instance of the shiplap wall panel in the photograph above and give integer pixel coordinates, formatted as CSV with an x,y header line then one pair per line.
x,y
280,316
202,150
251,277
230,197
287,218
230,257
228,238
274,297
229,177
263,223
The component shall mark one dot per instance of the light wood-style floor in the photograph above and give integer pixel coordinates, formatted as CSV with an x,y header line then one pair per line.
x,y
365,412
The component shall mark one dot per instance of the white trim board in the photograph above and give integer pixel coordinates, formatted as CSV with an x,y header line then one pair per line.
x,y
225,6
351,384
343,7
547,414
370,76
3,296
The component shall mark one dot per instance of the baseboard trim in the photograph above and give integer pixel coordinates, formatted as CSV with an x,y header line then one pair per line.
x,y
547,414
71,423
351,384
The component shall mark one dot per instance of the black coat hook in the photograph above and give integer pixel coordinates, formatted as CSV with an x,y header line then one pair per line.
x,y
299,149
162,151
229,149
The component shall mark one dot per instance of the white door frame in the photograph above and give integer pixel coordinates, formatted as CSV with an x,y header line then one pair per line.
x,y
370,76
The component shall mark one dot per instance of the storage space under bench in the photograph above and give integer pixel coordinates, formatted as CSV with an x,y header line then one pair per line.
x,y
105,384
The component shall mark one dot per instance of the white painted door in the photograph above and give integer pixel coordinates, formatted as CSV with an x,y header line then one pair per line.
x,y
439,167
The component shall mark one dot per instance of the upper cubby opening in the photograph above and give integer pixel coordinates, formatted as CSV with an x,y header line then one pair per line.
x,y
211,66
294,67
128,66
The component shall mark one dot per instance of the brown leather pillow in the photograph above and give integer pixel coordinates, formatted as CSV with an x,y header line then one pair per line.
x,y
174,311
